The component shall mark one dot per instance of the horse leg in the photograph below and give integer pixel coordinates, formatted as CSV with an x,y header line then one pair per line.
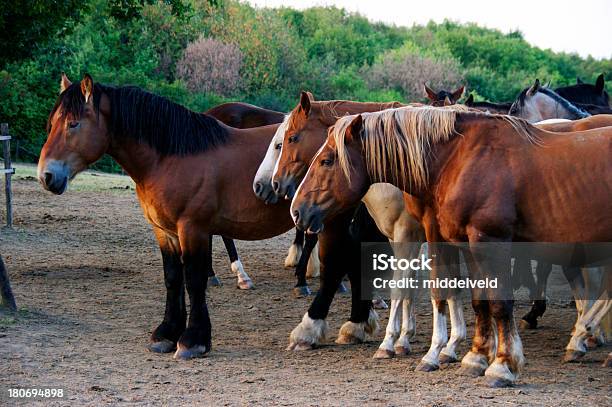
x,y
165,336
538,307
386,349
213,280
301,287
363,320
295,250
196,340
458,330
408,295
313,267
586,325
439,337
244,281
313,328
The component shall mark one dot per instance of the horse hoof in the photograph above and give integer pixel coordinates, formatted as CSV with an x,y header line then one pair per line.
x,y
246,285
198,351
426,367
608,361
524,324
214,281
384,354
163,346
573,356
342,289
402,351
471,371
446,359
497,382
300,346
379,303
303,291
348,340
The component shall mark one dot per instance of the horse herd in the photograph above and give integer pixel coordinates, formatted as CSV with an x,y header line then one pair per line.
x,y
412,173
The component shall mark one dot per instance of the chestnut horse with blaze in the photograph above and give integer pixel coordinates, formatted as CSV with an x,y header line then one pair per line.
x,y
481,179
193,178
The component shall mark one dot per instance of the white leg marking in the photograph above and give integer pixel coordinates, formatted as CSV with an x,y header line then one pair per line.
x,y
355,332
458,329
308,333
244,281
385,349
402,345
438,339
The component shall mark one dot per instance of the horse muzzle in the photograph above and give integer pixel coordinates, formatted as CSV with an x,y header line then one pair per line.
x,y
264,191
54,177
285,187
308,218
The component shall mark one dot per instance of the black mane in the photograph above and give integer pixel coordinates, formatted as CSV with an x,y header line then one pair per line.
x,y
168,127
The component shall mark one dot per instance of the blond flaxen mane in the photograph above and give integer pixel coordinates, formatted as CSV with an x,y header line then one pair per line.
x,y
397,142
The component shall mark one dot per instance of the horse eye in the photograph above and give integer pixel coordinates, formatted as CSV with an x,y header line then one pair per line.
x,y
327,162
293,138
73,124
279,146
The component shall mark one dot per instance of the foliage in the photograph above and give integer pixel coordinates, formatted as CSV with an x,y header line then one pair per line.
x,y
202,52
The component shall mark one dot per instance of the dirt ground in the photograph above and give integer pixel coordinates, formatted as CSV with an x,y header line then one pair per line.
x,y
88,281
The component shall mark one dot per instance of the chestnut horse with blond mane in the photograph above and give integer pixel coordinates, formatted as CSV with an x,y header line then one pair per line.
x,y
480,178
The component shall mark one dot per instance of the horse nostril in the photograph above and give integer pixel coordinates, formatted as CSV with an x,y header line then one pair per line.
x,y
275,186
296,215
258,187
48,178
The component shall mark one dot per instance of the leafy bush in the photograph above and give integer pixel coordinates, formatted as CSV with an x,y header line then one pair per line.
x,y
406,70
209,65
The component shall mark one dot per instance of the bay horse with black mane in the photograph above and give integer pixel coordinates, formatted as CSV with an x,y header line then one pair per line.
x,y
471,193
193,178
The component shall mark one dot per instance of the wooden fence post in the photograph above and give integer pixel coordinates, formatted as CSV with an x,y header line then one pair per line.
x,y
8,300
8,172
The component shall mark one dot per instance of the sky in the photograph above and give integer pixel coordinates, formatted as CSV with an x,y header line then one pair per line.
x,y
583,26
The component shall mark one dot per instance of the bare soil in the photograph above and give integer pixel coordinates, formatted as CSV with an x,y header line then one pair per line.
x,y
87,277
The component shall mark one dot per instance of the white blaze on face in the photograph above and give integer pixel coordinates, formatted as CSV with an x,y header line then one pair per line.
x,y
268,165
280,133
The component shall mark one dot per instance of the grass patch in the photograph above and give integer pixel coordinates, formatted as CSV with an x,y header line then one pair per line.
x,y
91,181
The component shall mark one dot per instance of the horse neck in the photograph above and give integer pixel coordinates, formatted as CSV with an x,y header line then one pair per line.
x,y
551,108
136,158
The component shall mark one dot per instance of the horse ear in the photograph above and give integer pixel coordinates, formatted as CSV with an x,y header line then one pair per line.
x,y
64,82
579,81
599,83
470,100
458,93
447,101
534,88
305,102
431,95
87,86
354,129
310,96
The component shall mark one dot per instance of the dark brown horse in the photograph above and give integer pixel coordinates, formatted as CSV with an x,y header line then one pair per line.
x,y
491,107
530,187
443,97
244,116
193,178
585,93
